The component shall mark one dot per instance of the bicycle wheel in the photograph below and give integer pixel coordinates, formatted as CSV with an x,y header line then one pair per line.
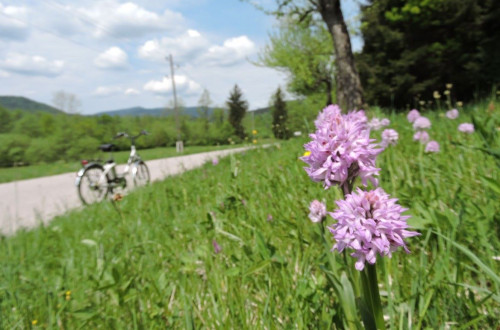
x,y
140,174
93,186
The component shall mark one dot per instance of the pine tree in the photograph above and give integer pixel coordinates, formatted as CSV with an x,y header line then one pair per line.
x,y
280,116
237,109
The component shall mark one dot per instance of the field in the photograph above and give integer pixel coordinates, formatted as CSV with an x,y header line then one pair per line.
x,y
231,245
8,174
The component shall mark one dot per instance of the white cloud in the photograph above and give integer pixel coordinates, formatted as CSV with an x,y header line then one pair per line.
x,y
113,58
183,85
128,20
132,91
232,51
12,24
183,48
4,74
107,90
32,65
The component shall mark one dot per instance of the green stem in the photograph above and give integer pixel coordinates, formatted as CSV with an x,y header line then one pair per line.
x,y
371,310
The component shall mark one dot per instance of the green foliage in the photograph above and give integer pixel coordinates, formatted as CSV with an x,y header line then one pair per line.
x,y
12,149
237,110
413,48
280,116
148,261
305,53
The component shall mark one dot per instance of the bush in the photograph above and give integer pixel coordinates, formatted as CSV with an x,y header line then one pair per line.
x,y
12,148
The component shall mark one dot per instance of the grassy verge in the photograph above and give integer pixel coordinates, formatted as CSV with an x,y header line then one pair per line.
x,y
34,171
149,260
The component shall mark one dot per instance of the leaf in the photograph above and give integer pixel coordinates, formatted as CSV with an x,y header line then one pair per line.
x,y
492,184
261,265
474,258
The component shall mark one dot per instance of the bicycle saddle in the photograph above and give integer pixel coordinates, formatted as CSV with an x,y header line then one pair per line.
x,y
108,147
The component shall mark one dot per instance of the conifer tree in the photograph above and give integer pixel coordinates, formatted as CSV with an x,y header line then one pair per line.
x,y
237,109
280,116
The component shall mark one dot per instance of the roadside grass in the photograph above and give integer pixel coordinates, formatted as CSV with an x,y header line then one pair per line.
x,y
149,261
9,174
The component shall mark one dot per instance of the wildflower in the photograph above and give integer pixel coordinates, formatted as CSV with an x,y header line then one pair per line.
x,y
216,246
370,223
413,115
328,115
215,161
421,123
449,86
341,149
436,95
269,217
68,295
317,211
34,322
389,136
452,114
254,132
421,102
432,146
254,141
421,136
117,197
446,92
459,104
375,124
466,128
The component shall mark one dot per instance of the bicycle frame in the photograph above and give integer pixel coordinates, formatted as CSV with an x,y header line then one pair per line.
x,y
110,177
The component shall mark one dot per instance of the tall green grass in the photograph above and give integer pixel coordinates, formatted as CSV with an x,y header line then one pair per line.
x,y
148,261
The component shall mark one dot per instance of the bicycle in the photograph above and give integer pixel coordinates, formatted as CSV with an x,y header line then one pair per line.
x,y
96,179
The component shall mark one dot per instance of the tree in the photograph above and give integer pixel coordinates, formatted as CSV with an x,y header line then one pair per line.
x,y
413,48
348,83
237,109
280,116
203,108
4,120
66,102
305,52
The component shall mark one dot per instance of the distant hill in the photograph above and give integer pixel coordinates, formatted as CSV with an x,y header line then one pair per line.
x,y
23,103
140,111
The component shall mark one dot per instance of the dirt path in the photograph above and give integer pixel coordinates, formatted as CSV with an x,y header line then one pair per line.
x,y
27,203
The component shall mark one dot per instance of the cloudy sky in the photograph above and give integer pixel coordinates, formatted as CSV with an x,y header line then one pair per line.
x,y
111,53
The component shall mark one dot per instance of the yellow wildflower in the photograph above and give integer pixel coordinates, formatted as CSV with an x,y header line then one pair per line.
x,y
459,104
254,141
34,322
449,86
436,95
307,153
254,132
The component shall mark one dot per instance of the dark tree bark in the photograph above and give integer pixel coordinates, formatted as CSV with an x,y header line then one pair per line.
x,y
349,90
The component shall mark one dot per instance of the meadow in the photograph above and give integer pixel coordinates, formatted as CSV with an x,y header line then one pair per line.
x,y
9,174
230,245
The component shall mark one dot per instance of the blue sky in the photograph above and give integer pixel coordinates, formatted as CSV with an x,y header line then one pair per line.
x,y
111,53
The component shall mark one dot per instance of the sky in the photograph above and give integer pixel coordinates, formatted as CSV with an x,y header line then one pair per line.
x,y
112,54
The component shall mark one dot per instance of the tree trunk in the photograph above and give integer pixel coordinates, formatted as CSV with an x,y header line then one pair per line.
x,y
349,91
329,100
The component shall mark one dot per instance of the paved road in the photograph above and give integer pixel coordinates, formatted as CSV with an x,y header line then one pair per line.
x,y
28,203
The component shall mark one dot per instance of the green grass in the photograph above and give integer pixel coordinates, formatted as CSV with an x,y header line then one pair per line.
x,y
10,174
148,260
